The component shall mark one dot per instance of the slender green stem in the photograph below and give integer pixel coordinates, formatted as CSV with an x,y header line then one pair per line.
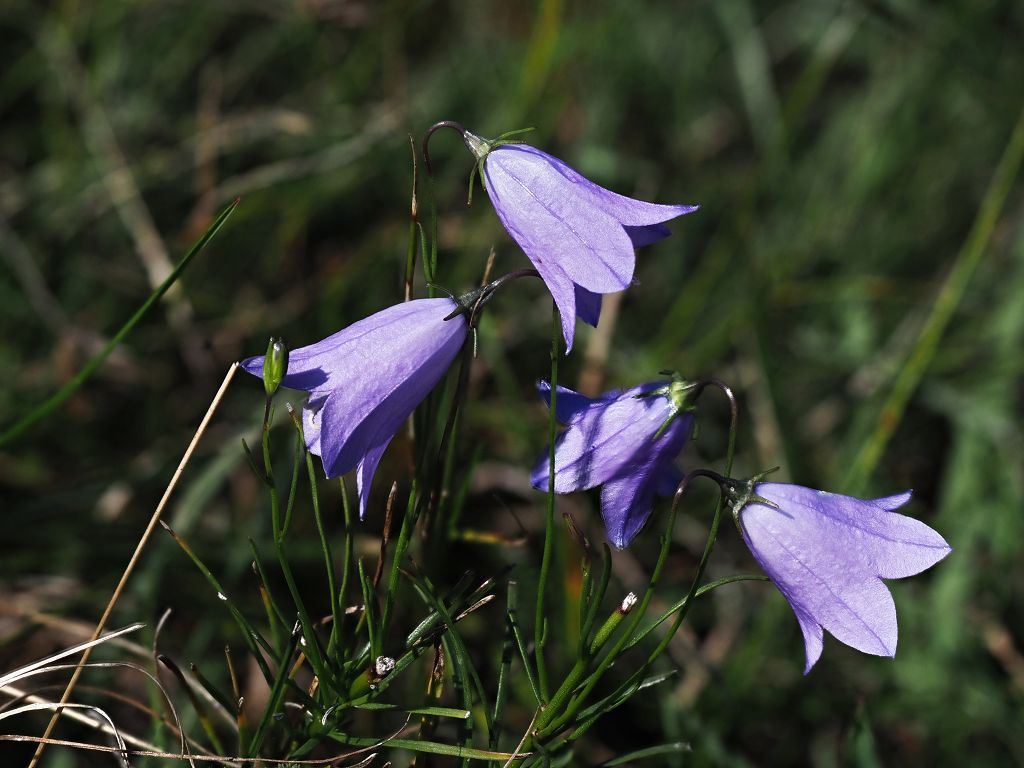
x,y
328,557
540,621
347,557
410,251
44,409
312,649
551,721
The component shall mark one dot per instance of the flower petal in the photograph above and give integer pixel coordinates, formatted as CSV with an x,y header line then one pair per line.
x,y
641,236
817,576
814,637
563,293
551,221
320,366
569,405
626,504
602,442
311,422
866,534
370,409
365,470
626,210
588,306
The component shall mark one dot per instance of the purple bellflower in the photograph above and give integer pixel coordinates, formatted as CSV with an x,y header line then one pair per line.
x,y
580,236
626,442
366,379
828,554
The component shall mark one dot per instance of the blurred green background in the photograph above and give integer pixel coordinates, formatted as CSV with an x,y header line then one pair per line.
x,y
856,272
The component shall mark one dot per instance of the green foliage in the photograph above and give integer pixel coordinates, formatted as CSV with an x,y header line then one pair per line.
x,y
845,156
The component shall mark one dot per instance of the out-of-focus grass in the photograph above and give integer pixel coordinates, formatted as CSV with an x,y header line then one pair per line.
x,y
840,152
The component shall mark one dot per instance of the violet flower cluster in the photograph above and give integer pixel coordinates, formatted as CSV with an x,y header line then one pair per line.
x,y
826,553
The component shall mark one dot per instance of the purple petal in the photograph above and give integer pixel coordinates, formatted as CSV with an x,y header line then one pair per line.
x,y
866,534
641,236
892,502
602,442
588,306
399,371
814,638
628,499
626,504
563,293
552,221
815,576
311,422
320,366
626,210
668,478
569,405
365,470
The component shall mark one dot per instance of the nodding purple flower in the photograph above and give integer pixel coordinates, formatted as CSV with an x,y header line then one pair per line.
x,y
626,442
366,379
828,554
580,236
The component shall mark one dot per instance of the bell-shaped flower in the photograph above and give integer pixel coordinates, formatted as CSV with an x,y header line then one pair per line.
x,y
365,380
620,441
580,236
828,554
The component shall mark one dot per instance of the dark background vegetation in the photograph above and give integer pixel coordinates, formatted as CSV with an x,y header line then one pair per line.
x,y
841,152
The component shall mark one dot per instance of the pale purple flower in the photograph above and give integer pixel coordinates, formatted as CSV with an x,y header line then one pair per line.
x,y
366,379
828,554
580,236
613,441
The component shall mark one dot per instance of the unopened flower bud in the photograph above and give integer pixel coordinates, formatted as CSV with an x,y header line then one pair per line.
x,y
275,365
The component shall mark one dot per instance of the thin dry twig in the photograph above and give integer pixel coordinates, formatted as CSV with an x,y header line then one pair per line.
x,y
150,527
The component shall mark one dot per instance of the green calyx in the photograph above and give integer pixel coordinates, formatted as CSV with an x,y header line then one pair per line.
x,y
681,395
481,147
740,493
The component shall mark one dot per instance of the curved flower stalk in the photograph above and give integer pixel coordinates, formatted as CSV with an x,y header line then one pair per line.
x,y
365,380
828,554
580,236
626,441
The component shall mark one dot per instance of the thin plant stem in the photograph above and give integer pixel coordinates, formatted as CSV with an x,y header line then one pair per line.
x,y
347,557
550,720
161,505
540,622
410,251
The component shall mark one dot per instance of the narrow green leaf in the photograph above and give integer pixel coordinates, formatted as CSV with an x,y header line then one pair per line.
x,y
43,410
674,748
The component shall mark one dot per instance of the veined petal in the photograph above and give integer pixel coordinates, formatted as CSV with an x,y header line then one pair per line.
x,y
852,604
626,210
604,441
569,405
319,366
626,504
371,408
552,222
865,534
628,499
563,293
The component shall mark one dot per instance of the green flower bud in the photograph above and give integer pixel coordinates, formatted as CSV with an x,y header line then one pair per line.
x,y
275,365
